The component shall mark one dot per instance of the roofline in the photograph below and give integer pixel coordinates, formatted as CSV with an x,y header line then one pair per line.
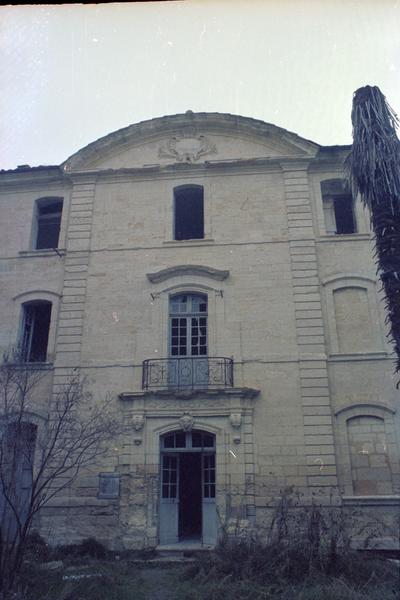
x,y
29,169
156,125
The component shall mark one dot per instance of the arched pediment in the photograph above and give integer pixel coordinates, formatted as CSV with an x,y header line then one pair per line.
x,y
190,138
193,270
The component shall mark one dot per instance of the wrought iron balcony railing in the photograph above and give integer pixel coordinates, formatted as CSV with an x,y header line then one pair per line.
x,y
187,373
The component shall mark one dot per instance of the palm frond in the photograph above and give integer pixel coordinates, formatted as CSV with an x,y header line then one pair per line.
x,y
374,172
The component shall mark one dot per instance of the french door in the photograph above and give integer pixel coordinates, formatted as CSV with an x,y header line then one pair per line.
x,y
188,365
188,488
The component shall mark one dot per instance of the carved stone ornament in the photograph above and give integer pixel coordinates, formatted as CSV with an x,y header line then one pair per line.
x,y
186,422
138,422
236,420
187,147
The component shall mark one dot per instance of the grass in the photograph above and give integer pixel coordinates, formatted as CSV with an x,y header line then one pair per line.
x,y
203,580
113,581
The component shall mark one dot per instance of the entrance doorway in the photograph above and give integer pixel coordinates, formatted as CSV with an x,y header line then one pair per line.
x,y
187,499
190,499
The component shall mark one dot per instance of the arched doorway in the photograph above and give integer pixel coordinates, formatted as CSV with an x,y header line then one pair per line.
x,y
187,496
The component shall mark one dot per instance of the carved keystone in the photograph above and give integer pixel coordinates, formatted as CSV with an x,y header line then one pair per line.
x,y
138,422
186,422
236,420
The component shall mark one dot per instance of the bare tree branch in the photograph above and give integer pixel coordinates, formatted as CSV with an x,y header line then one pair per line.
x,y
43,448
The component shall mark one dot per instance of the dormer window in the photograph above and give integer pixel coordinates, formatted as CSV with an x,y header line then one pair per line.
x,y
48,222
338,205
188,212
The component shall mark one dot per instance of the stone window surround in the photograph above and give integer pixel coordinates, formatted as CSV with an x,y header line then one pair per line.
x,y
182,279
215,313
170,202
32,296
58,194
343,415
360,213
352,280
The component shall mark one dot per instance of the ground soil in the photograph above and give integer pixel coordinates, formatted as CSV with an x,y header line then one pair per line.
x,y
159,582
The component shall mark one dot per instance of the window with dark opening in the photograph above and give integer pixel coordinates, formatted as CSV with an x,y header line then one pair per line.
x,y
48,221
17,447
338,205
35,331
189,212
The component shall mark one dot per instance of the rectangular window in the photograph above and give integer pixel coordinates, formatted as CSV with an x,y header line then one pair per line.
x,y
189,213
35,331
48,223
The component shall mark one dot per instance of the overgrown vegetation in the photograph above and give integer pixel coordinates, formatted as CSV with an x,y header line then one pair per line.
x,y
306,554
43,447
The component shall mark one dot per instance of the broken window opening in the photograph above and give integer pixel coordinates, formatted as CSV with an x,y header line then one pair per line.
x,y
189,212
338,207
35,331
48,222
17,447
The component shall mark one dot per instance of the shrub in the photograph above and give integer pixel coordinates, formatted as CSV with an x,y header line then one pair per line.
x,y
89,547
37,550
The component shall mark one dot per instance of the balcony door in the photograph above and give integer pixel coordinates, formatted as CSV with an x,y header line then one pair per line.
x,y
188,364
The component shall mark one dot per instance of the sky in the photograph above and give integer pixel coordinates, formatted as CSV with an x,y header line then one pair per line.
x,y
73,73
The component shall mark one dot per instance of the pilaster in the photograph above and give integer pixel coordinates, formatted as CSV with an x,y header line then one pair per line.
x,y
313,372
72,308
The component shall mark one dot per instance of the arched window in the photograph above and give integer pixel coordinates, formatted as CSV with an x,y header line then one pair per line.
x,y
369,459
188,212
188,325
35,329
338,205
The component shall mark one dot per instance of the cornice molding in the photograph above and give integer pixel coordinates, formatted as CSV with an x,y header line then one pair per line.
x,y
168,394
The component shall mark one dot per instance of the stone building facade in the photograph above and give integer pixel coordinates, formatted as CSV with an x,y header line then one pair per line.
x,y
211,273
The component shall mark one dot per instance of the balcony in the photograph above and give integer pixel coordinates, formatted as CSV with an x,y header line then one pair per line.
x,y
187,373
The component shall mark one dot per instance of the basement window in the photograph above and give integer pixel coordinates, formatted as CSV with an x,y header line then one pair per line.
x,y
338,205
189,212
48,222
35,331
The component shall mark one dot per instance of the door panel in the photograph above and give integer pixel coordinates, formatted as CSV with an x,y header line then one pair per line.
x,y
210,521
169,504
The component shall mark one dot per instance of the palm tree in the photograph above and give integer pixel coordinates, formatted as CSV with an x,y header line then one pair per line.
x,y
374,173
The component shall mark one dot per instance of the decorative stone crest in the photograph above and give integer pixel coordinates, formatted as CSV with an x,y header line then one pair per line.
x,y
236,420
187,147
138,422
186,422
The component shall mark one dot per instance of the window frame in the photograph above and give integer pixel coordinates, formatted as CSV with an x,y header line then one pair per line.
x,y
332,191
25,346
37,296
178,191
188,316
40,203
